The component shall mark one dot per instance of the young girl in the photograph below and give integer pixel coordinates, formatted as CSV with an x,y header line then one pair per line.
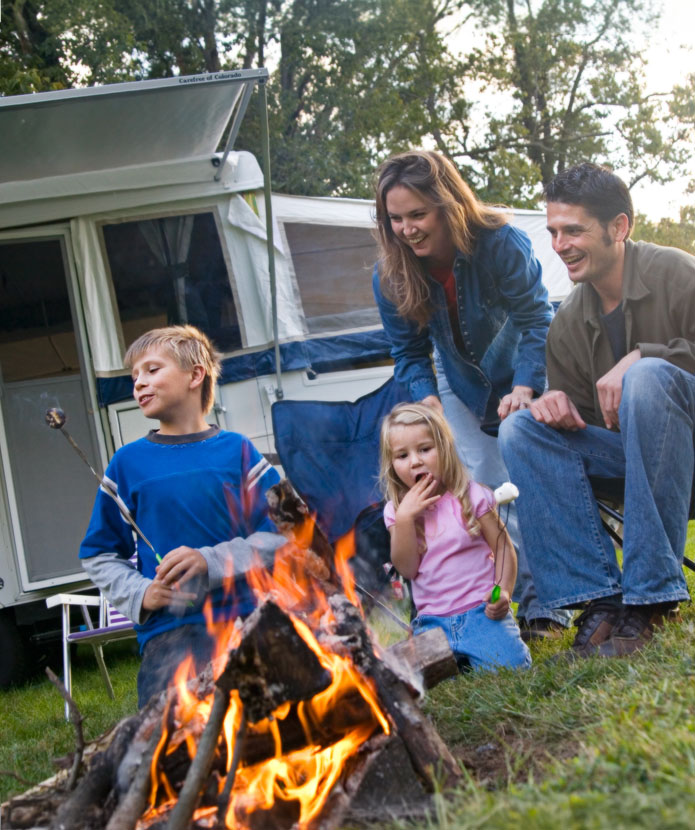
x,y
447,538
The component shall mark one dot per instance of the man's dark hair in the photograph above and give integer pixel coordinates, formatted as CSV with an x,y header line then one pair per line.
x,y
598,190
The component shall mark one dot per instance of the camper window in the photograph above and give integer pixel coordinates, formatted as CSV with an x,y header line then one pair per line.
x,y
333,268
36,332
172,270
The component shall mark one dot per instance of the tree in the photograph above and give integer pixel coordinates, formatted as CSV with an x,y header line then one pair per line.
x,y
31,55
351,80
677,234
566,84
548,83
348,89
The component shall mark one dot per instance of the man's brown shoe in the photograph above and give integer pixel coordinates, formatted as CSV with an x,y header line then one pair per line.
x,y
594,626
636,628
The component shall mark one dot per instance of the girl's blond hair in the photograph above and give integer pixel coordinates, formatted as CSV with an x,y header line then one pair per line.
x,y
433,178
189,347
453,473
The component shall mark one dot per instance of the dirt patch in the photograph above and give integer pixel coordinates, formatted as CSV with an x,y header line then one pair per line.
x,y
496,764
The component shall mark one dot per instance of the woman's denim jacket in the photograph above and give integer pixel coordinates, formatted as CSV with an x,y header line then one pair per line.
x,y
504,316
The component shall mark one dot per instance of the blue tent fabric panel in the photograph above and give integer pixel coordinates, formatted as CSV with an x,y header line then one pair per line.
x,y
320,354
330,453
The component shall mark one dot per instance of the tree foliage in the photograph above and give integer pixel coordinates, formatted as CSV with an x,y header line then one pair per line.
x,y
351,81
675,233
546,83
565,84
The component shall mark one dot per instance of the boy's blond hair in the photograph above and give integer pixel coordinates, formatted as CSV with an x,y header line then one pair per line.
x,y
454,475
189,347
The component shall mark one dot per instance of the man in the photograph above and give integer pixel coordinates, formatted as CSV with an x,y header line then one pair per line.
x,y
621,358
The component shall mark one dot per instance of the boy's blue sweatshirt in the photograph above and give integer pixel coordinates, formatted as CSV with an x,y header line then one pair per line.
x,y
196,490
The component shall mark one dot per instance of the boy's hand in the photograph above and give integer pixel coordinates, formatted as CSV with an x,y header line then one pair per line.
x,y
420,496
177,568
159,595
180,565
497,610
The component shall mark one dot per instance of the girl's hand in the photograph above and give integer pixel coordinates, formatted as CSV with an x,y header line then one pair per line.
x,y
420,496
497,610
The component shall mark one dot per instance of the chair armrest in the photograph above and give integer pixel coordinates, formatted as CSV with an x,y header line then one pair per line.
x,y
72,599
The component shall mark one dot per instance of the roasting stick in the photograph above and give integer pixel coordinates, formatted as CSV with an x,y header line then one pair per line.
x,y
56,418
383,607
504,494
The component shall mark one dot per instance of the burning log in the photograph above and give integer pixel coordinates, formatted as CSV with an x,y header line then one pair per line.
x,y
292,519
258,669
428,655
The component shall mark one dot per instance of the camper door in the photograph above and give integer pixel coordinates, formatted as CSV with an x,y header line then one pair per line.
x,y
47,491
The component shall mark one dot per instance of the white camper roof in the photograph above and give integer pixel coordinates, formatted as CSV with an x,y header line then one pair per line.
x,y
80,151
120,125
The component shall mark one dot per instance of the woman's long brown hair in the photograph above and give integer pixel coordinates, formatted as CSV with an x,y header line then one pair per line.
x,y
435,179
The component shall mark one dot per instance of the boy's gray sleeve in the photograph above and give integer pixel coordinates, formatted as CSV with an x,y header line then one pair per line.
x,y
236,557
120,582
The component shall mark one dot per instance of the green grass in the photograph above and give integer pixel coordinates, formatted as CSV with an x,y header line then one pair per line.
x,y
33,729
593,744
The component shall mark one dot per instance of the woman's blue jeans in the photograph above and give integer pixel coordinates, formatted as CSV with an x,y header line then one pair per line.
x,y
481,455
571,556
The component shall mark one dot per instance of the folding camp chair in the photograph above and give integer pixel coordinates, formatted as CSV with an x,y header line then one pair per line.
x,y
330,452
111,626
609,497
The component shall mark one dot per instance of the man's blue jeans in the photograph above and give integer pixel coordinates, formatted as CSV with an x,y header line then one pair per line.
x,y
571,556
481,455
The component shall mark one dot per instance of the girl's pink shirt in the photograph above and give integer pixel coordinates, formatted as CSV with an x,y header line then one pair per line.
x,y
457,571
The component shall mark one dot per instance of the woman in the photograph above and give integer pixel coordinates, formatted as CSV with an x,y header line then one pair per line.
x,y
455,276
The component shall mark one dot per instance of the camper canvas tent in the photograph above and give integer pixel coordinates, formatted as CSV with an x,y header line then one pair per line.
x,y
116,213
123,208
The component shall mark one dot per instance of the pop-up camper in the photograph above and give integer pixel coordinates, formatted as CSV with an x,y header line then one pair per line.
x,y
117,214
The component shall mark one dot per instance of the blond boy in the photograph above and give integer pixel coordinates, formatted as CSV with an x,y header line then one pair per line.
x,y
195,491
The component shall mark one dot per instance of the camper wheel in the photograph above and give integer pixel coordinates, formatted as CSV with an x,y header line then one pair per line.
x,y
12,652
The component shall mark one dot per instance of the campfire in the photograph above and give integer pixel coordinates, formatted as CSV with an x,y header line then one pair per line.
x,y
298,721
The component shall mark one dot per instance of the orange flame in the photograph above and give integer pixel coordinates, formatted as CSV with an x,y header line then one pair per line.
x,y
344,551
306,776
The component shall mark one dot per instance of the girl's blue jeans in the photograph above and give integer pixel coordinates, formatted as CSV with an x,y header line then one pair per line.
x,y
571,556
485,644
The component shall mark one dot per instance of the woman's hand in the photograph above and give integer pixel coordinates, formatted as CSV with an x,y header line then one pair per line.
x,y
433,402
497,610
519,398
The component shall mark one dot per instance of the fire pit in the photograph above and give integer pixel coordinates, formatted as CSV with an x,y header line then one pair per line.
x,y
298,722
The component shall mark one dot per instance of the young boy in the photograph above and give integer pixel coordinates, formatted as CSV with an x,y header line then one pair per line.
x,y
190,488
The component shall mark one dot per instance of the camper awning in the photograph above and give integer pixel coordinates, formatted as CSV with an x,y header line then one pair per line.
x,y
120,125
